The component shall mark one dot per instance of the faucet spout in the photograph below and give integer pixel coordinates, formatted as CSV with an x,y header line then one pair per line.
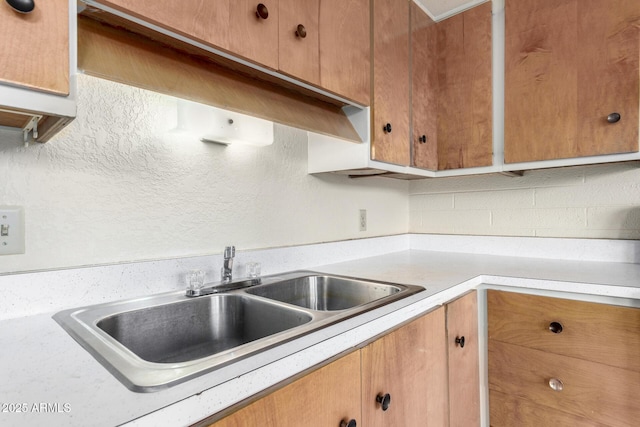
x,y
227,268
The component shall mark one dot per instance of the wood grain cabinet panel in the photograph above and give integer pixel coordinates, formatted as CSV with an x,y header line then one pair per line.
x,y
464,363
521,412
452,90
201,20
594,391
410,365
253,37
345,48
299,54
322,398
570,64
597,332
35,47
424,89
465,137
390,115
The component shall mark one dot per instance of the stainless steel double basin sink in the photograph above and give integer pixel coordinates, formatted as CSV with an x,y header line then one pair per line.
x,y
154,342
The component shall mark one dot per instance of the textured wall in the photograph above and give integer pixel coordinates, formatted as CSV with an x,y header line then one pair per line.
x,y
600,201
117,185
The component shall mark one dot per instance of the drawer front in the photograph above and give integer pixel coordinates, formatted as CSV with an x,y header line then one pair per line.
x,y
509,411
601,393
590,331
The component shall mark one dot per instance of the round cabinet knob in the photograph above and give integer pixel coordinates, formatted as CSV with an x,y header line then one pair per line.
x,y
387,128
22,6
556,384
614,117
384,400
301,31
422,139
460,341
348,423
555,327
262,12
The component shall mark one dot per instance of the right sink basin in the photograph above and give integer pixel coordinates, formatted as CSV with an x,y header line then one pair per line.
x,y
325,293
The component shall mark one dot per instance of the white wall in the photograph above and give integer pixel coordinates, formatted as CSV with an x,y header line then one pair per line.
x,y
117,185
600,201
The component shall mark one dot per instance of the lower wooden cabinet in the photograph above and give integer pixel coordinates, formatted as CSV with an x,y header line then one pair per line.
x,y
464,363
409,366
561,362
325,397
400,379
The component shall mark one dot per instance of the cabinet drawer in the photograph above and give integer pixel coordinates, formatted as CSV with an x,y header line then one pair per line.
x,y
590,331
507,411
591,390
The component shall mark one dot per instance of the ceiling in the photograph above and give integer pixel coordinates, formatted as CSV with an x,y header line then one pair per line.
x,y
442,9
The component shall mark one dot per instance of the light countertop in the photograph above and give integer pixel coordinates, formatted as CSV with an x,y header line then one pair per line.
x,y
42,364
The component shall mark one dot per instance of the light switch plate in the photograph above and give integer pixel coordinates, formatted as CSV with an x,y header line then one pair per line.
x,y
11,230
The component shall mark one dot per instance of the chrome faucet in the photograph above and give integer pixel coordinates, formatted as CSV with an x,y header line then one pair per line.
x,y
227,269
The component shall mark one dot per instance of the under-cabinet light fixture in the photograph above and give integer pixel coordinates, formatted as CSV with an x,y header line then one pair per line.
x,y
212,124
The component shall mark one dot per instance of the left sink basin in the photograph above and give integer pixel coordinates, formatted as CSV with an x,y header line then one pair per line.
x,y
195,328
155,342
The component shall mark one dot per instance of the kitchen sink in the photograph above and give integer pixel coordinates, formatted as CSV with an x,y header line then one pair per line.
x,y
155,342
325,293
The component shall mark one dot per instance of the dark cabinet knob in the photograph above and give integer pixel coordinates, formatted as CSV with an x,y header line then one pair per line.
x,y
22,6
301,31
387,128
262,12
384,400
348,423
422,139
460,341
614,117
555,327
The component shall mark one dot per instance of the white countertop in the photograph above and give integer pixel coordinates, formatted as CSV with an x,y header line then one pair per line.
x,y
41,363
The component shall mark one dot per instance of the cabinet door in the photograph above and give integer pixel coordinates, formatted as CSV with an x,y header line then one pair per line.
x,y
570,64
322,398
464,365
299,39
201,20
254,36
465,115
424,89
390,116
409,364
452,90
345,48
35,47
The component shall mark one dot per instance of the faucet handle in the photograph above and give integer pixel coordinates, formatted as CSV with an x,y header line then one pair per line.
x,y
229,252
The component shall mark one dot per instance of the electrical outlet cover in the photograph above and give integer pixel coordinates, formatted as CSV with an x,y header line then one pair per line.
x,y
11,230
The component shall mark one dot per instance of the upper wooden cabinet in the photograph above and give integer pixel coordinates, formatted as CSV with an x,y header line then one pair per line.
x,y
452,90
345,48
299,54
35,47
315,41
409,368
34,71
572,78
202,20
253,30
390,115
